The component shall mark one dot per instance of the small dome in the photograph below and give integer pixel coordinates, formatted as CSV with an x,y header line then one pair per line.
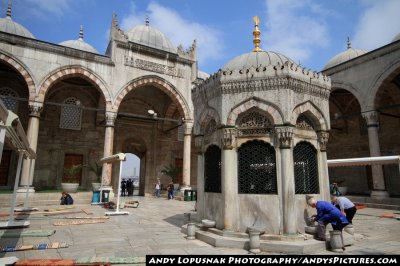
x,y
202,75
79,44
12,27
396,38
149,36
256,59
345,56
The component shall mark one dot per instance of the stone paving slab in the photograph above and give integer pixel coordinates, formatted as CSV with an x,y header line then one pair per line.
x,y
155,228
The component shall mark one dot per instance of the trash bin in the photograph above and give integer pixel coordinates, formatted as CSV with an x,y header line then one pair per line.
x,y
194,195
187,195
105,196
96,197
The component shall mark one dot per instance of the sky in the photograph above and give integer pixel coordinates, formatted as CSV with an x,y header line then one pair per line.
x,y
310,32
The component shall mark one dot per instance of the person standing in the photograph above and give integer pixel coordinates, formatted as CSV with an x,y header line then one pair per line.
x,y
326,214
157,187
123,187
346,207
170,190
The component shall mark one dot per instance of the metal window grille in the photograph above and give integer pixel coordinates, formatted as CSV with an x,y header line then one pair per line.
x,y
71,115
253,123
257,168
10,102
305,169
303,122
212,169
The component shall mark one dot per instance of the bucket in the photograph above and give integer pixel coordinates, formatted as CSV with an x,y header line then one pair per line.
x,y
96,197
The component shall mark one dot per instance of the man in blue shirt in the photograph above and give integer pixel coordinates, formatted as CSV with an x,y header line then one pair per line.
x,y
327,214
347,207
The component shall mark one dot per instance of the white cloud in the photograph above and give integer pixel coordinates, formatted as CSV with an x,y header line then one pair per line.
x,y
295,28
179,30
378,24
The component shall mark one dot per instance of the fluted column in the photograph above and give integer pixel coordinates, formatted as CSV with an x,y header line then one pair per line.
x,y
198,141
228,177
323,137
35,108
285,136
379,188
108,147
186,153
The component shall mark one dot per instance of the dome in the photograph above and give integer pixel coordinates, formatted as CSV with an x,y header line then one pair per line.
x,y
256,59
202,75
79,44
151,37
396,38
345,56
12,27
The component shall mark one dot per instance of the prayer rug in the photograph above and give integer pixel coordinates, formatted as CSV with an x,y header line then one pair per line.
x,y
39,246
33,233
125,260
78,222
43,262
90,217
60,209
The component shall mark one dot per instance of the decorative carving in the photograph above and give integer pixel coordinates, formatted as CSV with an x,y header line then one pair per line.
x,y
228,138
35,108
188,127
254,123
198,141
304,123
210,128
285,136
110,119
372,118
323,137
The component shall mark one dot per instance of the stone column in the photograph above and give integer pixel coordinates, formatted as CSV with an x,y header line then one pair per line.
x,y
379,188
323,137
108,147
35,108
228,180
198,141
289,220
186,154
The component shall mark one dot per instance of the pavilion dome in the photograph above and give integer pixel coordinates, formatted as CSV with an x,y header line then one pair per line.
x,y
151,37
396,38
79,44
345,56
257,59
9,26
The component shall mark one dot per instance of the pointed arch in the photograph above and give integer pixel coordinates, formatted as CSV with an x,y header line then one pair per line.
x,y
74,71
267,107
159,83
22,70
320,122
350,88
205,117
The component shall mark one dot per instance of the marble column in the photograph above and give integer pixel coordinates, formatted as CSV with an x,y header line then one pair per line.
x,y
108,147
228,177
289,220
323,137
187,141
379,188
35,108
198,141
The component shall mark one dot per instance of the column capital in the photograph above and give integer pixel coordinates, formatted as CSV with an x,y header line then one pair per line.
x,y
228,137
110,118
323,137
372,118
188,127
285,136
35,108
198,140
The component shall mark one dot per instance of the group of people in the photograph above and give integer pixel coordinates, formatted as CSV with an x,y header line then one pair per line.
x,y
339,213
127,187
158,187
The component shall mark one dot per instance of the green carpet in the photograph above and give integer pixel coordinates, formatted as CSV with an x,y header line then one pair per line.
x,y
34,233
126,260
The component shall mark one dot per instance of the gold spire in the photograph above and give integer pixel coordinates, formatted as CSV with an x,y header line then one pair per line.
x,y
256,34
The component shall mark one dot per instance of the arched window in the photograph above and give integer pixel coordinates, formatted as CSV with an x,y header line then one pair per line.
x,y
71,114
305,169
257,168
253,122
212,169
8,96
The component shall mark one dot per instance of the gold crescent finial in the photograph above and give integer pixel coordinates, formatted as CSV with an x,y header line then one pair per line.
x,y
256,34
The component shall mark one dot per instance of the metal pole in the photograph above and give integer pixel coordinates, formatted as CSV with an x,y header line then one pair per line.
x,y
119,184
29,182
21,155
